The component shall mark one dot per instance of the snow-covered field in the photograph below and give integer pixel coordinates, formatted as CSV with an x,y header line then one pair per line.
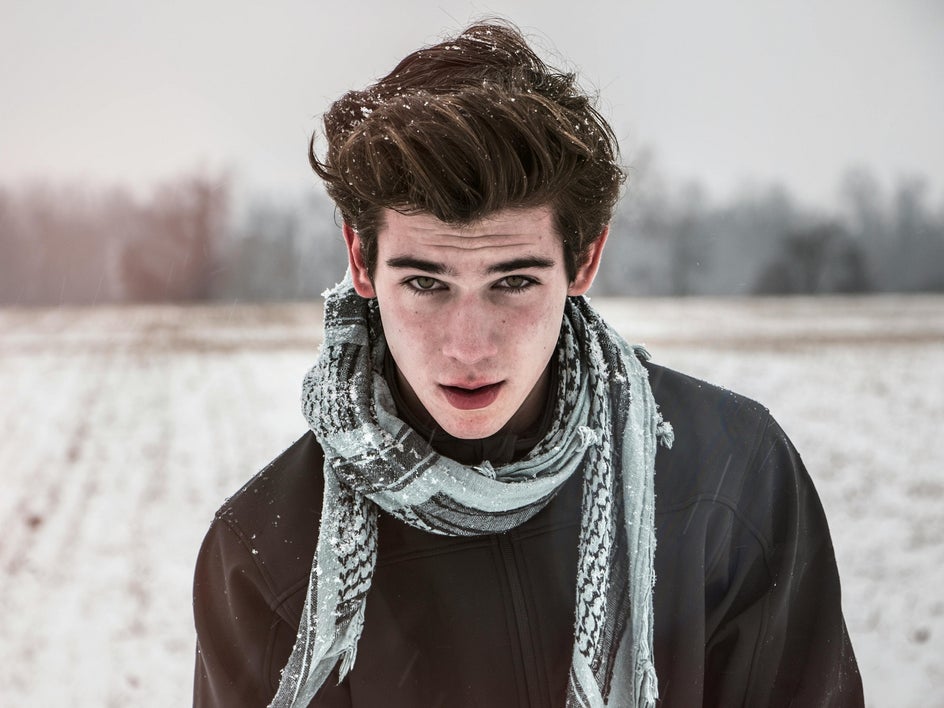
x,y
123,428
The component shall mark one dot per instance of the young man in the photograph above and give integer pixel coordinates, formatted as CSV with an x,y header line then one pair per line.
x,y
481,513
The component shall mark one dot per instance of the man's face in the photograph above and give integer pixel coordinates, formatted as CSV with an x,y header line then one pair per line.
x,y
471,314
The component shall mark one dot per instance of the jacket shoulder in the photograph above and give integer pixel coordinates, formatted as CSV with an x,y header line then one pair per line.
x,y
250,579
728,451
288,475
702,406
276,515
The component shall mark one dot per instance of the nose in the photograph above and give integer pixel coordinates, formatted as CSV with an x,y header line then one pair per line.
x,y
470,330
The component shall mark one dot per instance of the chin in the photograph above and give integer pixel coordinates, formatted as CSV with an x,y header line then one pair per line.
x,y
472,429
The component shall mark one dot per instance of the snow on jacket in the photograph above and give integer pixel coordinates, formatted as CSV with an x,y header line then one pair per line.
x,y
747,597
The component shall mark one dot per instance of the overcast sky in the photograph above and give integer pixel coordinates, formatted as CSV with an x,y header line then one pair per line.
x,y
727,92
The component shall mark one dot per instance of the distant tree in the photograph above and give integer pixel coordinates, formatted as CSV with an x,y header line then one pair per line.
x,y
321,255
260,254
285,249
918,251
11,248
819,259
902,237
51,238
71,243
171,247
689,251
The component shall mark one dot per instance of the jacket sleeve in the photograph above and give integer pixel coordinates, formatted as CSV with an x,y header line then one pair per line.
x,y
776,634
242,640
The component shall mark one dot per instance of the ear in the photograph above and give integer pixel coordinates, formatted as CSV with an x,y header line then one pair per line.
x,y
587,270
363,285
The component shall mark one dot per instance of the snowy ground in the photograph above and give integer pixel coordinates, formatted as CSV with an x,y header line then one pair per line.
x,y
123,428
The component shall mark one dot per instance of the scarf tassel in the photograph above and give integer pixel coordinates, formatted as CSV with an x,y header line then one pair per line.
x,y
347,662
649,689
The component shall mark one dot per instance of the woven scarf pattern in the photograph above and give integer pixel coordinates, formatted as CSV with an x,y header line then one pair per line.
x,y
605,425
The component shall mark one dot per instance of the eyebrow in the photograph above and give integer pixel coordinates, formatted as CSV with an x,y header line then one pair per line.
x,y
520,264
409,263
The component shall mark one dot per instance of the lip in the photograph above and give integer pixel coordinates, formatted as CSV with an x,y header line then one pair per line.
x,y
465,398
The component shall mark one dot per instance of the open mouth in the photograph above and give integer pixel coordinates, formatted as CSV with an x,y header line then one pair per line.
x,y
471,398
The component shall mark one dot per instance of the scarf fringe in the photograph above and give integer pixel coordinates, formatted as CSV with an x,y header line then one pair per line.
x,y
649,689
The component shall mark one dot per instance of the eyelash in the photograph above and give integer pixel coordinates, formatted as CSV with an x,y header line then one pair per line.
x,y
526,285
410,285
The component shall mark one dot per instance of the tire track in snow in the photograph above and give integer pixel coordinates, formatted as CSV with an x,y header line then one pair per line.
x,y
45,554
38,508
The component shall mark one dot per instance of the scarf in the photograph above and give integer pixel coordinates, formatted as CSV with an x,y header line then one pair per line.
x,y
606,425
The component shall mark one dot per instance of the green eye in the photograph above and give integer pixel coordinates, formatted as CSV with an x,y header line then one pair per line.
x,y
422,283
516,282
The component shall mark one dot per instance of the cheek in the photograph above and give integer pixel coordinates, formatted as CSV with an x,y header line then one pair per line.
x,y
416,322
407,328
537,329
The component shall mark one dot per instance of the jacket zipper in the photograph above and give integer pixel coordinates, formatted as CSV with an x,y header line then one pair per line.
x,y
522,620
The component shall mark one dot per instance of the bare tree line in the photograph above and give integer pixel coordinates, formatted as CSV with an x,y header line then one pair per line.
x,y
71,244
188,241
673,241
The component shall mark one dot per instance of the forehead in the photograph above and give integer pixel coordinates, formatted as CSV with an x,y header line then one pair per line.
x,y
530,228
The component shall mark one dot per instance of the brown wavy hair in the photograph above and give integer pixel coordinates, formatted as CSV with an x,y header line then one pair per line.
x,y
468,127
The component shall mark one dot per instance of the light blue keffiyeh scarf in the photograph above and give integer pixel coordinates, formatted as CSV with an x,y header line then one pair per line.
x,y
606,425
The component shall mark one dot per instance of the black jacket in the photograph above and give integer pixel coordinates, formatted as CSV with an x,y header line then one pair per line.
x,y
747,600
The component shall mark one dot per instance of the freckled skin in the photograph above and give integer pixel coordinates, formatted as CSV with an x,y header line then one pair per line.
x,y
452,320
